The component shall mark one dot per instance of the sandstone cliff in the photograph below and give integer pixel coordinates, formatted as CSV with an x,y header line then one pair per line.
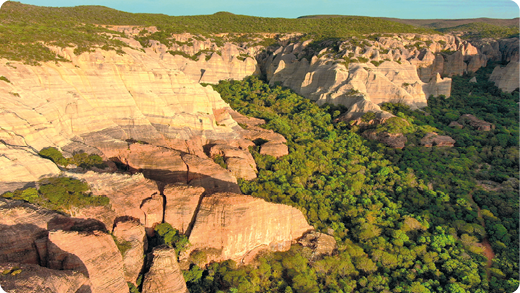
x,y
506,78
363,73
164,274
235,225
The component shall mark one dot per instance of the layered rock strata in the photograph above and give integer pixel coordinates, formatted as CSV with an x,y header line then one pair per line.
x,y
164,274
233,225
98,103
133,235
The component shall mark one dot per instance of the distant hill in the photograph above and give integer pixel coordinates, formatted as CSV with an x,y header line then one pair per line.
x,y
469,28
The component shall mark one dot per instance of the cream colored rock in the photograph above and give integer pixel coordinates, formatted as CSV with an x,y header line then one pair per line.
x,y
164,275
97,257
99,100
234,225
21,164
133,234
506,78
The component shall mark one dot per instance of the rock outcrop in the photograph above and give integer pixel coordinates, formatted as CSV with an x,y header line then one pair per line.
x,y
321,244
132,235
506,78
35,279
233,225
164,274
475,123
434,139
181,205
393,140
98,102
97,257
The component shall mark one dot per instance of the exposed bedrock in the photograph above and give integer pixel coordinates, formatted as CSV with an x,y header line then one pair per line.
x,y
362,74
98,103
231,226
164,274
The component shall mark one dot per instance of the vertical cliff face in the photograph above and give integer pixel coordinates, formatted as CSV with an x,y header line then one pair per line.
x,y
363,73
164,274
99,101
235,225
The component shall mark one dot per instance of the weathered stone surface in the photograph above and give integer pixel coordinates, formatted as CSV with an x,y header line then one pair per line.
x,y
206,173
165,275
136,96
506,78
36,279
157,163
274,149
394,140
97,257
242,168
239,161
233,225
181,203
433,139
133,259
23,231
478,124
321,244
227,64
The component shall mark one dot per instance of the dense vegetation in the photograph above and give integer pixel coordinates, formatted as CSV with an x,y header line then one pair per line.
x,y
26,30
478,30
400,227
80,159
60,194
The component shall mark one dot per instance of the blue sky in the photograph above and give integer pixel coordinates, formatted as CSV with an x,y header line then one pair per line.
x,y
290,9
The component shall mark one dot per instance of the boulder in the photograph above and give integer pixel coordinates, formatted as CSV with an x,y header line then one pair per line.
x,y
274,149
433,139
205,173
321,244
506,78
475,123
164,274
393,140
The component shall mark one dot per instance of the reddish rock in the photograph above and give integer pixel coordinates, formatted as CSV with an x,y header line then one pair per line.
x,y
164,275
433,139
23,231
478,124
157,163
206,173
239,162
232,225
94,254
36,279
181,203
274,149
152,208
133,234
241,168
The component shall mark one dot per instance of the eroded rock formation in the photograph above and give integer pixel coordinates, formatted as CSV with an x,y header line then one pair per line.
x,y
234,225
434,139
506,78
164,275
